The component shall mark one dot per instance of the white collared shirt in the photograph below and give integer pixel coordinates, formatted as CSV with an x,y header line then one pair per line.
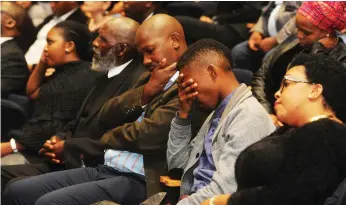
x,y
118,69
34,53
150,15
4,39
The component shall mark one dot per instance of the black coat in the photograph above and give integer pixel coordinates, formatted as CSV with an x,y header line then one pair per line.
x,y
77,16
14,70
86,125
303,166
266,81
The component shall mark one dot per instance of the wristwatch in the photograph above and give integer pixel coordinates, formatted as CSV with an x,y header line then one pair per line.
x,y
13,145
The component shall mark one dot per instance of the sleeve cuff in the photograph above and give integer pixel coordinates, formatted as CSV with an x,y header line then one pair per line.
x,y
182,121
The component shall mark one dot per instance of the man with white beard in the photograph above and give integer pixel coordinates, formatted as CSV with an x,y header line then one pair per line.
x,y
119,64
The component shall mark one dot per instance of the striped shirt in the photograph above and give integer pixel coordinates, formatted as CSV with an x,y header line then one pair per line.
x,y
130,162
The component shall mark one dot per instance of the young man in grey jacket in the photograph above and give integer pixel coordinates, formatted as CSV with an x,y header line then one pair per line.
x,y
206,80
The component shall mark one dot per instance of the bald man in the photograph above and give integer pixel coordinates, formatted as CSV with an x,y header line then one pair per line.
x,y
14,70
117,61
134,144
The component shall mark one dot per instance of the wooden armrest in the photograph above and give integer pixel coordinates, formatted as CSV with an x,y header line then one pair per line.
x,y
170,182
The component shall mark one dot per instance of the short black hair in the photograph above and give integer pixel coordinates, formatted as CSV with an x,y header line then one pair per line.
x,y
331,74
80,35
200,48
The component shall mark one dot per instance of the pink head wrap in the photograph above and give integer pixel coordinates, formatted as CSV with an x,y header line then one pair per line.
x,y
326,15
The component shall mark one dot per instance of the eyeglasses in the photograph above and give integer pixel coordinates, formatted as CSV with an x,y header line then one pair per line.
x,y
286,78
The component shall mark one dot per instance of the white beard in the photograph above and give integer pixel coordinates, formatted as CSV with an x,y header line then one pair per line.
x,y
103,64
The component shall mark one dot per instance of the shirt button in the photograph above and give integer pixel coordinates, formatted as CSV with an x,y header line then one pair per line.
x,y
197,155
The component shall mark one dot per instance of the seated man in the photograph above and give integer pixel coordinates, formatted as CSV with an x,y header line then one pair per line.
x,y
140,10
238,120
228,25
134,146
276,23
62,10
116,56
14,70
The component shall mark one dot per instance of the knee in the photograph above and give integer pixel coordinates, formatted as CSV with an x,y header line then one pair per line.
x,y
14,192
240,50
44,200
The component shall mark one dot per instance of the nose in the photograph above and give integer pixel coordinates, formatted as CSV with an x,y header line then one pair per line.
x,y
277,94
300,35
146,61
45,48
96,42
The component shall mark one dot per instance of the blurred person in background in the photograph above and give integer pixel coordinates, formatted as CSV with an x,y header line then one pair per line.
x,y
62,10
140,10
276,23
14,70
97,12
37,10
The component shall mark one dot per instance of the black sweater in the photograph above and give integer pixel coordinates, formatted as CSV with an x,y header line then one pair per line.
x,y
303,166
58,102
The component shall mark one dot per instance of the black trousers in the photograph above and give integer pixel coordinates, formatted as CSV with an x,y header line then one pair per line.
x,y
12,173
82,186
195,30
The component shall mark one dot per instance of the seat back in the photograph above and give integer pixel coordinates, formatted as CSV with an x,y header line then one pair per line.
x,y
339,196
13,116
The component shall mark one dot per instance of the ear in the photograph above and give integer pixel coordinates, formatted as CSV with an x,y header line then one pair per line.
x,y
10,23
121,49
316,92
176,39
212,72
148,4
69,47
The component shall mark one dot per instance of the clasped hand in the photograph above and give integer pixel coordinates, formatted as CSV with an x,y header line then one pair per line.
x,y
53,150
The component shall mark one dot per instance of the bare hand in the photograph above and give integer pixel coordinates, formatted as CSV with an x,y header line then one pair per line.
x,y
53,149
268,43
276,122
250,25
255,41
187,91
5,149
158,80
206,19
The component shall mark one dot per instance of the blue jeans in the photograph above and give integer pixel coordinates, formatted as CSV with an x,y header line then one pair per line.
x,y
245,58
82,186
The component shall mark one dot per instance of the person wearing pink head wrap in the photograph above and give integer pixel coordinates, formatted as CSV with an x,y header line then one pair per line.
x,y
318,20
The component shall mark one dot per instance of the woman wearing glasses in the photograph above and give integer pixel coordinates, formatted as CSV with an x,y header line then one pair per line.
x,y
304,162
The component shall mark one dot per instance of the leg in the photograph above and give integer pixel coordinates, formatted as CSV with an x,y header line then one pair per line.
x,y
12,173
245,58
14,159
27,191
120,189
195,30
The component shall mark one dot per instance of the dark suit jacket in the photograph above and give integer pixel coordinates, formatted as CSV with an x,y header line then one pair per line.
x,y
88,126
14,70
78,16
